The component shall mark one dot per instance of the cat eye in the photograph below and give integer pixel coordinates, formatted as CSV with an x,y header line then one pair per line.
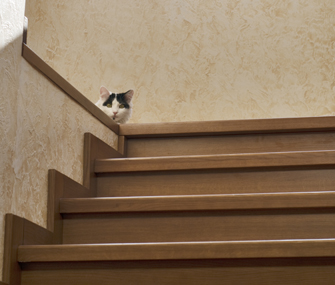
x,y
109,105
121,106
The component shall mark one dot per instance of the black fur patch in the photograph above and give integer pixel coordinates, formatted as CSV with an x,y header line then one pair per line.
x,y
119,97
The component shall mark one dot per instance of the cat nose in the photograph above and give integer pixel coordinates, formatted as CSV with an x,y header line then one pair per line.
x,y
115,113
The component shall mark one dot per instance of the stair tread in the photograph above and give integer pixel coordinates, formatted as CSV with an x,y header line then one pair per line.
x,y
223,161
283,200
178,250
228,127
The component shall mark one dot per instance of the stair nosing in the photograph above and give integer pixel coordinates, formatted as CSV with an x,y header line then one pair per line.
x,y
251,201
219,161
249,126
292,248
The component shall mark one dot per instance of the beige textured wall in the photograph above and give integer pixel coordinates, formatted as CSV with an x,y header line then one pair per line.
x,y
194,60
41,128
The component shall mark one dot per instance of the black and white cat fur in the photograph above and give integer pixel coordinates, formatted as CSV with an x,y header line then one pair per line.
x,y
118,106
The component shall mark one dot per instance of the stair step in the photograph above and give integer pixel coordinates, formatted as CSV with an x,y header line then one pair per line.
x,y
229,127
230,144
198,202
178,250
199,218
223,161
216,181
228,137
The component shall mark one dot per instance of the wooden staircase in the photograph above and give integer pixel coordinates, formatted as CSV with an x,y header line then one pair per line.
x,y
231,202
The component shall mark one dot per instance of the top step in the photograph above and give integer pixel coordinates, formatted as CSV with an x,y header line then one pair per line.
x,y
306,124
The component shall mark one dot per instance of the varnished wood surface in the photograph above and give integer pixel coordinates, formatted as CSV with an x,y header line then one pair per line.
x,y
19,231
14,236
35,234
95,148
263,237
216,182
229,144
228,127
123,145
63,84
206,225
198,202
288,271
61,186
227,161
187,250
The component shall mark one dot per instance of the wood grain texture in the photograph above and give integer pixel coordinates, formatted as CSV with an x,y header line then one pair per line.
x,y
228,127
229,144
63,84
19,231
95,148
216,182
288,271
187,250
223,161
198,202
203,225
14,236
35,234
123,146
61,186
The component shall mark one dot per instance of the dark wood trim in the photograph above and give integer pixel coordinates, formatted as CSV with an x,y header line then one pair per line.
x,y
220,161
13,238
281,125
94,148
122,145
2,283
199,202
34,234
61,186
179,250
19,231
64,85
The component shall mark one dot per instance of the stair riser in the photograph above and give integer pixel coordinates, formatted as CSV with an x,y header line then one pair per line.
x,y
200,226
215,182
305,271
228,144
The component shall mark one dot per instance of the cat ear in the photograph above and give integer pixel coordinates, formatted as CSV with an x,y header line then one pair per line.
x,y
129,95
104,93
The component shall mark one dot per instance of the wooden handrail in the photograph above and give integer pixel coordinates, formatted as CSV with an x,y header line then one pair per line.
x,y
37,62
326,123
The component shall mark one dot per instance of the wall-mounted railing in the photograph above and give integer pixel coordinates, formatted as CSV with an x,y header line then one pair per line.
x,y
38,63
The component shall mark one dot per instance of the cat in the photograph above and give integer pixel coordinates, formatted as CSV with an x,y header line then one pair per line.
x,y
117,106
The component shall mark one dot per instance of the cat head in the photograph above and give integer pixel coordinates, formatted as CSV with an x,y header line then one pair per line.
x,y
117,106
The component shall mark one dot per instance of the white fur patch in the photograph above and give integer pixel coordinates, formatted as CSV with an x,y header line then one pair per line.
x,y
119,115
